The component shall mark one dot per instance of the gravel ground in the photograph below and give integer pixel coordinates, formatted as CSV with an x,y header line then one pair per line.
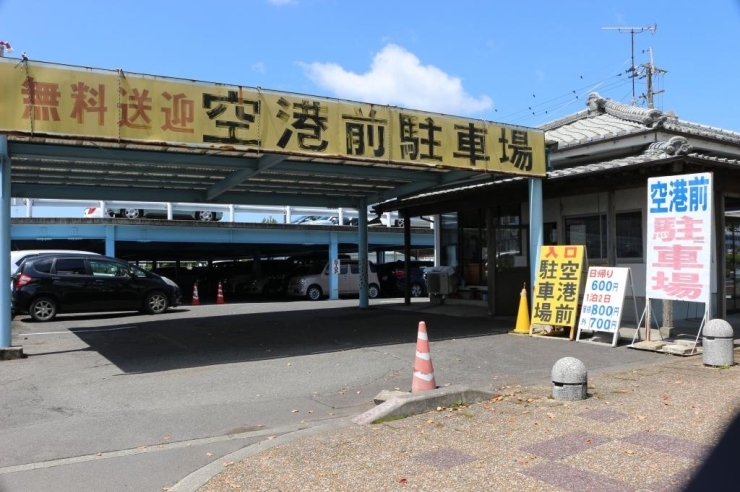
x,y
644,430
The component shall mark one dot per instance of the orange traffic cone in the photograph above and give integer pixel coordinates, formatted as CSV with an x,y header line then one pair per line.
x,y
423,370
196,300
522,320
220,295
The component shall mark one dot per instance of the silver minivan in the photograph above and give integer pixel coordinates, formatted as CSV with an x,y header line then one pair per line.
x,y
313,282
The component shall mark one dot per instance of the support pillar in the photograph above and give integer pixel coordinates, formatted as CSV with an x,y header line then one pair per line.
x,y
6,350
437,240
491,261
407,258
362,251
333,275
110,240
535,231
719,310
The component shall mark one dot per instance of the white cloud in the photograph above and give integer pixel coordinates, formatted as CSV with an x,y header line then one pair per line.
x,y
397,77
258,67
281,2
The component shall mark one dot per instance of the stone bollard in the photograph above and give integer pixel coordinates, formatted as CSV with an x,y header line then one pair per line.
x,y
569,379
718,343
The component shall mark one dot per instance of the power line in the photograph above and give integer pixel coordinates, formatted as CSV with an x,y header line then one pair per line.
x,y
574,96
632,31
570,95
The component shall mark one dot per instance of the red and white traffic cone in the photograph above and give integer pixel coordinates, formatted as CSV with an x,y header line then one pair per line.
x,y
196,300
220,295
423,370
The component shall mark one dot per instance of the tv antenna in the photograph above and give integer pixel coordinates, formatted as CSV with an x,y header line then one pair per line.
x,y
5,46
632,31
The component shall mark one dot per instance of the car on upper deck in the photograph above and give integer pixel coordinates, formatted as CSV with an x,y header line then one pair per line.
x,y
143,213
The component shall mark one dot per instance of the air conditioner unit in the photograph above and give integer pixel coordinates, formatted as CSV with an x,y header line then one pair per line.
x,y
438,283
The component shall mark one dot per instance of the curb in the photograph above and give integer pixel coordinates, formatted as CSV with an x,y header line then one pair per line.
x,y
403,405
409,404
197,479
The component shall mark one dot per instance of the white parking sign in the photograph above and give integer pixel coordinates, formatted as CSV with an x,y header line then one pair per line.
x,y
603,299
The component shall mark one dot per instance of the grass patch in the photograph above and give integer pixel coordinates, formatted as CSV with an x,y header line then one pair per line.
x,y
387,419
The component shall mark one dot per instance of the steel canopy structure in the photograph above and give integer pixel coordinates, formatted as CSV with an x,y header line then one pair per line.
x,y
81,133
45,167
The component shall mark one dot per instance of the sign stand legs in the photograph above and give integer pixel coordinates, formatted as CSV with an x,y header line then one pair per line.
x,y
701,327
646,316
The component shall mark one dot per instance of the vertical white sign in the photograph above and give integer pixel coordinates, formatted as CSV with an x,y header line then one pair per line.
x,y
601,309
679,237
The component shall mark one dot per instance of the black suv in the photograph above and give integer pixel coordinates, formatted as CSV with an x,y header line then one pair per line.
x,y
393,278
48,284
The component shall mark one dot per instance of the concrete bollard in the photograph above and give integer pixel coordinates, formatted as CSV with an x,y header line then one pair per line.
x,y
569,380
718,343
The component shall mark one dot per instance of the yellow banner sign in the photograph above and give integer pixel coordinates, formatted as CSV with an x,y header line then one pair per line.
x,y
558,285
40,98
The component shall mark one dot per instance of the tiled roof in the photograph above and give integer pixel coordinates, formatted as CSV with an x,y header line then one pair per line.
x,y
592,128
606,119
702,131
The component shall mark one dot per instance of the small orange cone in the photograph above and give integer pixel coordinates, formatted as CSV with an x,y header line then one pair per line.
x,y
522,319
196,300
220,295
423,370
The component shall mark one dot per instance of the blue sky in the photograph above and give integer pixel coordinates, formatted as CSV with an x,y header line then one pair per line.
x,y
522,62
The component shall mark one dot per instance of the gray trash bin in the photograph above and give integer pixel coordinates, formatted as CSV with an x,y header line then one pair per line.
x,y
718,343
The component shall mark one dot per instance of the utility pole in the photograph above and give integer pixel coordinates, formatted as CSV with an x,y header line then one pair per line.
x,y
632,31
650,70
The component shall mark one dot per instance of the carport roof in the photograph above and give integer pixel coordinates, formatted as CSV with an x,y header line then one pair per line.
x,y
48,167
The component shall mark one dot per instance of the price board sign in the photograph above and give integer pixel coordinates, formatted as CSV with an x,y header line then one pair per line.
x,y
603,300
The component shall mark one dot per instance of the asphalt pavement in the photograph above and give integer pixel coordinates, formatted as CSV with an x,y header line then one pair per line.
x,y
131,402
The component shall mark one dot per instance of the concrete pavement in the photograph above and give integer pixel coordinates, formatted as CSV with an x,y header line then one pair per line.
x,y
641,428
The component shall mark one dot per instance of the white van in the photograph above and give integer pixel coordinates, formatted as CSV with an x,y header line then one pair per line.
x,y
313,282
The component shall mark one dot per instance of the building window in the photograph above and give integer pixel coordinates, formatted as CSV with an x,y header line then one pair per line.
x,y
629,235
550,234
590,231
